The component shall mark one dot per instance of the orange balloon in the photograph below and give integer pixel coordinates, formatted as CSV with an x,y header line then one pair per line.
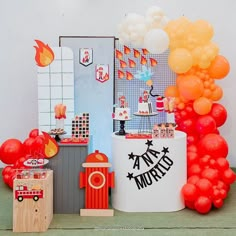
x,y
171,91
207,93
217,93
202,106
180,60
190,87
219,67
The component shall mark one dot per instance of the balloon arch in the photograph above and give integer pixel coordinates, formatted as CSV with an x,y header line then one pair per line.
x,y
196,61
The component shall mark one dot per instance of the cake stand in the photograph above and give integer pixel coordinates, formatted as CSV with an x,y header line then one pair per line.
x,y
57,135
122,127
145,122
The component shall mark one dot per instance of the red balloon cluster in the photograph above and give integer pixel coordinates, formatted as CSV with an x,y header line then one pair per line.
x,y
14,153
209,174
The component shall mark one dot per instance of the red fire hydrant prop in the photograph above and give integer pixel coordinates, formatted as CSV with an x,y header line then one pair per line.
x,y
96,180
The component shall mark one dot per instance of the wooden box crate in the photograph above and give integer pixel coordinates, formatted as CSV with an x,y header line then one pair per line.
x,y
33,201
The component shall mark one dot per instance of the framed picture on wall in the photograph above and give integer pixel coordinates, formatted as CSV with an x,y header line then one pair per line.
x,y
86,56
102,72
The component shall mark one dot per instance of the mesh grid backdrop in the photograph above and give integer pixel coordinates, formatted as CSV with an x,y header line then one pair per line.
x,y
162,77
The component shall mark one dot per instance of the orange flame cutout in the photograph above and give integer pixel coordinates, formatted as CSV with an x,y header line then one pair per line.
x,y
136,53
119,54
44,54
127,50
123,64
50,146
106,77
145,51
121,74
129,76
132,64
143,60
153,61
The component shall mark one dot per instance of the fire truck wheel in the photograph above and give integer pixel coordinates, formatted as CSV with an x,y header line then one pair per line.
x,y
20,198
36,198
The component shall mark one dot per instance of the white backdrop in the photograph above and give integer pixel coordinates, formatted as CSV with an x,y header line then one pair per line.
x,y
23,21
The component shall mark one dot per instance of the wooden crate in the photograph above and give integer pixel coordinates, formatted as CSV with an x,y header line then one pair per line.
x,y
33,203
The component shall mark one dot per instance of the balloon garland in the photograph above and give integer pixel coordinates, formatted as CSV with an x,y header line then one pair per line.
x,y
196,61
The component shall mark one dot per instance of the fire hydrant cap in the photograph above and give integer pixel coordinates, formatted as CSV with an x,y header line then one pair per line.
x,y
97,157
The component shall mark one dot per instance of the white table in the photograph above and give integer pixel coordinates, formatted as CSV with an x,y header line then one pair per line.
x,y
149,174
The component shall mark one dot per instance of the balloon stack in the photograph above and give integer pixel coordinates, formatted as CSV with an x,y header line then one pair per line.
x,y
196,61
15,153
199,114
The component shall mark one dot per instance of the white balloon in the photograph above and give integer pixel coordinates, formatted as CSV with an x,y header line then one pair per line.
x,y
134,18
156,41
154,10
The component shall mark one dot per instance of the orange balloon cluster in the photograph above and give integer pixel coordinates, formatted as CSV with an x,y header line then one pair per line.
x,y
195,60
190,44
198,86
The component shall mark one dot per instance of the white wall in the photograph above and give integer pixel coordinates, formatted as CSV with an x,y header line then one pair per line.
x,y
23,21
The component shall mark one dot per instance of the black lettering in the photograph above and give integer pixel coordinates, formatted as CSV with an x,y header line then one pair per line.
x,y
157,167
147,159
148,180
168,161
136,163
140,183
154,174
153,152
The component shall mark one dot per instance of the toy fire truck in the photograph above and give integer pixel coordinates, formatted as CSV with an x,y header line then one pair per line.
x,y
97,180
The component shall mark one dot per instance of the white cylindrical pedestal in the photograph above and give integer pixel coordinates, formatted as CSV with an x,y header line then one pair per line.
x,y
149,174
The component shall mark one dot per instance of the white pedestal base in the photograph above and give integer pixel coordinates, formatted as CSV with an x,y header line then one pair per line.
x,y
149,174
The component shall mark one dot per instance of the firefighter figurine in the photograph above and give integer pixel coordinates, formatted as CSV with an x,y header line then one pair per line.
x,y
96,180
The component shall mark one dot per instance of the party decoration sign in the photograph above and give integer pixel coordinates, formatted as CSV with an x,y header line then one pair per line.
x,y
159,161
102,73
86,56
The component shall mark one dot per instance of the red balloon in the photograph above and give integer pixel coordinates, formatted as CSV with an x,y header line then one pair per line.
x,y
11,150
223,193
228,176
222,164
205,124
204,161
192,158
192,139
6,170
189,192
192,148
219,114
38,145
189,204
204,187
28,145
6,178
193,179
203,204
210,174
222,185
218,203
194,169
216,193
213,145
34,133
188,125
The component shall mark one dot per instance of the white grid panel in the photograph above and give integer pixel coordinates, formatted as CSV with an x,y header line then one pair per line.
x,y
131,89
56,85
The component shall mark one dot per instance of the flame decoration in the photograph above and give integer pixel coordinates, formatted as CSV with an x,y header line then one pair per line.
x,y
44,55
51,147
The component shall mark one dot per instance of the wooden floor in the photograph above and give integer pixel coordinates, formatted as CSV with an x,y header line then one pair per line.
x,y
184,222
